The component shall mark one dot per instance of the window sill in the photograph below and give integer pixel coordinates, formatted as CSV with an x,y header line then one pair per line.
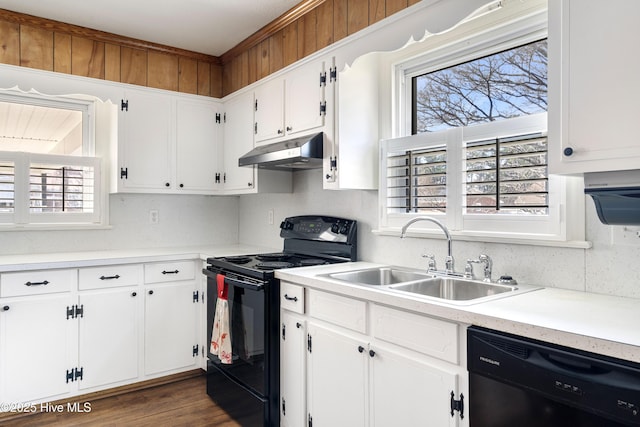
x,y
53,227
514,239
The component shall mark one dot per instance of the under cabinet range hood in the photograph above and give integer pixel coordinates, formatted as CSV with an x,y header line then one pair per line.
x,y
298,153
616,196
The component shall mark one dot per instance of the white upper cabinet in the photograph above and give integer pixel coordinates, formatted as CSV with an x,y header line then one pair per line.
x,y
168,144
238,140
291,105
593,85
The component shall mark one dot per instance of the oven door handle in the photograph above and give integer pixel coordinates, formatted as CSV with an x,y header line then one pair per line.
x,y
235,282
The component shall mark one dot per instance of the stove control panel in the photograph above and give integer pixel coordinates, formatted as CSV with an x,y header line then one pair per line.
x,y
325,228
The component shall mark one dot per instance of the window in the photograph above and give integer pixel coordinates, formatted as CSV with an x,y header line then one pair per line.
x,y
48,171
471,126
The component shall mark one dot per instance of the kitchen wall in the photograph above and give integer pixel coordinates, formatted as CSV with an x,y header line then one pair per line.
x,y
609,268
183,221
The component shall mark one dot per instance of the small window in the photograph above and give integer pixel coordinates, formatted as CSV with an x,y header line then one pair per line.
x,y
48,172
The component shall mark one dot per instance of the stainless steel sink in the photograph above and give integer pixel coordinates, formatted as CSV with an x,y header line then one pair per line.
x,y
380,276
455,289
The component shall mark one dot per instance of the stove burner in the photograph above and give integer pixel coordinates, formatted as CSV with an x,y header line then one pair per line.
x,y
276,256
312,261
240,259
273,265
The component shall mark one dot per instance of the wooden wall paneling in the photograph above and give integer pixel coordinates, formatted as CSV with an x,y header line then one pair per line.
x,y
216,81
243,69
112,62
162,71
291,41
204,78
412,2
227,72
187,75
254,60
340,20
394,6
133,66
308,34
263,66
324,25
62,53
276,59
87,58
9,43
377,11
357,15
36,48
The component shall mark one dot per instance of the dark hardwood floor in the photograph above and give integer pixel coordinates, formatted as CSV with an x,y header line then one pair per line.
x,y
181,403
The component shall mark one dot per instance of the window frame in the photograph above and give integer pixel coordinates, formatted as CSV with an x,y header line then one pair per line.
x,y
479,36
21,218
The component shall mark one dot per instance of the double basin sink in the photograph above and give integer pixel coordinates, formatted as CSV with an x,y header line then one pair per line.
x,y
450,289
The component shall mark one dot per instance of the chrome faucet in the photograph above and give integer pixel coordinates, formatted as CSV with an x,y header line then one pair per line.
x,y
482,259
449,259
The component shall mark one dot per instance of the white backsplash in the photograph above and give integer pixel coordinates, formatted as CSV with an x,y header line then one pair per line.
x,y
184,220
605,268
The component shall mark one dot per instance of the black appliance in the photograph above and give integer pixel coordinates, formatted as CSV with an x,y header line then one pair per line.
x,y
248,388
516,381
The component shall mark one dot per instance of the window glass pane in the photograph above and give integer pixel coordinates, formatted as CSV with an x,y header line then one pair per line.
x,y
38,129
59,188
7,187
507,84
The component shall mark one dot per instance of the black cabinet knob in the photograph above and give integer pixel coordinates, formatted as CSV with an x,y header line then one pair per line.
x,y
150,292
133,294
181,185
166,184
568,151
360,349
5,308
372,353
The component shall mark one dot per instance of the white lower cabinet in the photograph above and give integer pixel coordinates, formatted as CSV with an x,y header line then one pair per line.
x,y
170,308
360,373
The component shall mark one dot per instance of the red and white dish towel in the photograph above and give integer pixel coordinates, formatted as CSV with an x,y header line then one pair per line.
x,y
220,336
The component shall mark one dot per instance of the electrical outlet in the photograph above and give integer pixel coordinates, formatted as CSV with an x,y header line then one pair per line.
x,y
270,217
153,216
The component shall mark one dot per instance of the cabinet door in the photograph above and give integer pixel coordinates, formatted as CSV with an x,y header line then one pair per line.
x,y
145,133
293,339
238,140
36,348
170,328
303,98
269,111
337,378
407,391
198,136
593,86
108,336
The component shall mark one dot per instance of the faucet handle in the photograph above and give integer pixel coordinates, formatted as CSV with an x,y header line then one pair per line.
x,y
432,261
488,266
468,268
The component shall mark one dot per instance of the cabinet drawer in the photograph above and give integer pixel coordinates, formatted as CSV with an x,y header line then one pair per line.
x,y
109,276
346,312
169,271
425,334
292,297
37,282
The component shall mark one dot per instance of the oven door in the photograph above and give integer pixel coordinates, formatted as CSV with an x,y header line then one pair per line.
x,y
248,315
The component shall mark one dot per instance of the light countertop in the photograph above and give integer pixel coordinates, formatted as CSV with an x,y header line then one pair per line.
x,y
601,324
121,256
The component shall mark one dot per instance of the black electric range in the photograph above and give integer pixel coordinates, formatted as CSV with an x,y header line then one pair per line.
x,y
249,387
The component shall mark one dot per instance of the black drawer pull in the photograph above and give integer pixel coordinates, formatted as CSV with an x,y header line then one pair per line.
x,y
117,276
288,298
5,308
46,282
133,294
170,272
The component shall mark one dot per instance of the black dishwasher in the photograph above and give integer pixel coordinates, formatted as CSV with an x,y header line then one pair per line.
x,y
516,381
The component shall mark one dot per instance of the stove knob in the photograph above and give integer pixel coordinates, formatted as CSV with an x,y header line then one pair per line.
x,y
286,225
344,229
335,228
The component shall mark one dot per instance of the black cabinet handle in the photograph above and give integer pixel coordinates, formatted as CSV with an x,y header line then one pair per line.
x,y
166,184
360,349
5,308
150,292
171,272
133,294
117,276
289,128
280,132
181,185
568,151
372,353
44,283
298,325
288,298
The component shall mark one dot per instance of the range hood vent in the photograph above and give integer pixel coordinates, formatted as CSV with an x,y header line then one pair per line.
x,y
298,153
616,196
